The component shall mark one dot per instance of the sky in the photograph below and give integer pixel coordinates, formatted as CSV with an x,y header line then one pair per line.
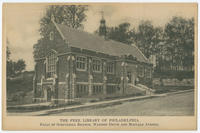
x,y
21,21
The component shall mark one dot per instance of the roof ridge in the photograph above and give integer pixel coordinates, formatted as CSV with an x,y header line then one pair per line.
x,y
91,34
108,46
78,30
133,45
58,29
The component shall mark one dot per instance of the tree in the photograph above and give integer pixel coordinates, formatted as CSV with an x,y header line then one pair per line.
x,y
8,62
9,69
12,67
121,33
19,66
7,50
7,53
69,15
179,36
148,37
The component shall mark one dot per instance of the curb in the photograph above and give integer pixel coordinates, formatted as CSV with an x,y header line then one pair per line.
x,y
113,102
100,104
178,92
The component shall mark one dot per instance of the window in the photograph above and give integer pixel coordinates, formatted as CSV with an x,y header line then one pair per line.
x,y
97,89
141,71
96,65
81,90
111,89
129,77
51,36
51,64
110,67
81,63
148,73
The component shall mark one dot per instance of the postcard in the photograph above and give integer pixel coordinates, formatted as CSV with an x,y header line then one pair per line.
x,y
99,66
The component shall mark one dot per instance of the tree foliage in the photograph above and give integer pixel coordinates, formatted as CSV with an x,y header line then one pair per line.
x,y
20,66
7,51
180,32
148,37
12,67
179,35
175,40
70,15
121,33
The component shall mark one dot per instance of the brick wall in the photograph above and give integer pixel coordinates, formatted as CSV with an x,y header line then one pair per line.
x,y
67,66
40,69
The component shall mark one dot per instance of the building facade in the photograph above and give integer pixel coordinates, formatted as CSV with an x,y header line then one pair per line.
x,y
76,64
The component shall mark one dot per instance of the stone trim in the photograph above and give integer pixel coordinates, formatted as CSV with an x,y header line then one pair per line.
x,y
66,100
39,83
111,84
61,83
40,98
92,56
97,83
84,83
45,83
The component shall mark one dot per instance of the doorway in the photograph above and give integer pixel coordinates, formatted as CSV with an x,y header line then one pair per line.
x,y
47,93
131,77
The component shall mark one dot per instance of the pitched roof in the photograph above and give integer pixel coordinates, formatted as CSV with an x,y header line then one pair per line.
x,y
84,40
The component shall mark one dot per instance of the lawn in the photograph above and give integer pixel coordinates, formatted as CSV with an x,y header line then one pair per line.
x,y
166,89
19,89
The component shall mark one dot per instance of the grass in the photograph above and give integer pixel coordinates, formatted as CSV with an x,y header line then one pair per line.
x,y
38,107
19,90
166,89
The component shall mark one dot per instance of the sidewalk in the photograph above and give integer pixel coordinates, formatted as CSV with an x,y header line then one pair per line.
x,y
95,104
32,105
49,111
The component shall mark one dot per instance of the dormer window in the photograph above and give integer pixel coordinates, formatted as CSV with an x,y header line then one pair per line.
x,y
51,64
51,36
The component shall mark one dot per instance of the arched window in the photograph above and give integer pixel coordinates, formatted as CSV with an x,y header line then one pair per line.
x,y
51,36
51,64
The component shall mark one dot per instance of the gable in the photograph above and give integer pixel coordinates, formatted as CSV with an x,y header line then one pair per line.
x,y
45,44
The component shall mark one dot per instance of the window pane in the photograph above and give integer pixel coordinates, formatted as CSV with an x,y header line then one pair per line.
x,y
51,62
110,67
80,62
96,65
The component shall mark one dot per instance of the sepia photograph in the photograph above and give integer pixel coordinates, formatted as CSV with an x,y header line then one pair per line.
x,y
100,59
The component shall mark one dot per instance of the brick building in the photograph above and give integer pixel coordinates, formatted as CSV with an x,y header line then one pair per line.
x,y
79,64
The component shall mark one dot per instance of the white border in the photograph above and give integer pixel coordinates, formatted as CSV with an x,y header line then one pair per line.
x,y
93,1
